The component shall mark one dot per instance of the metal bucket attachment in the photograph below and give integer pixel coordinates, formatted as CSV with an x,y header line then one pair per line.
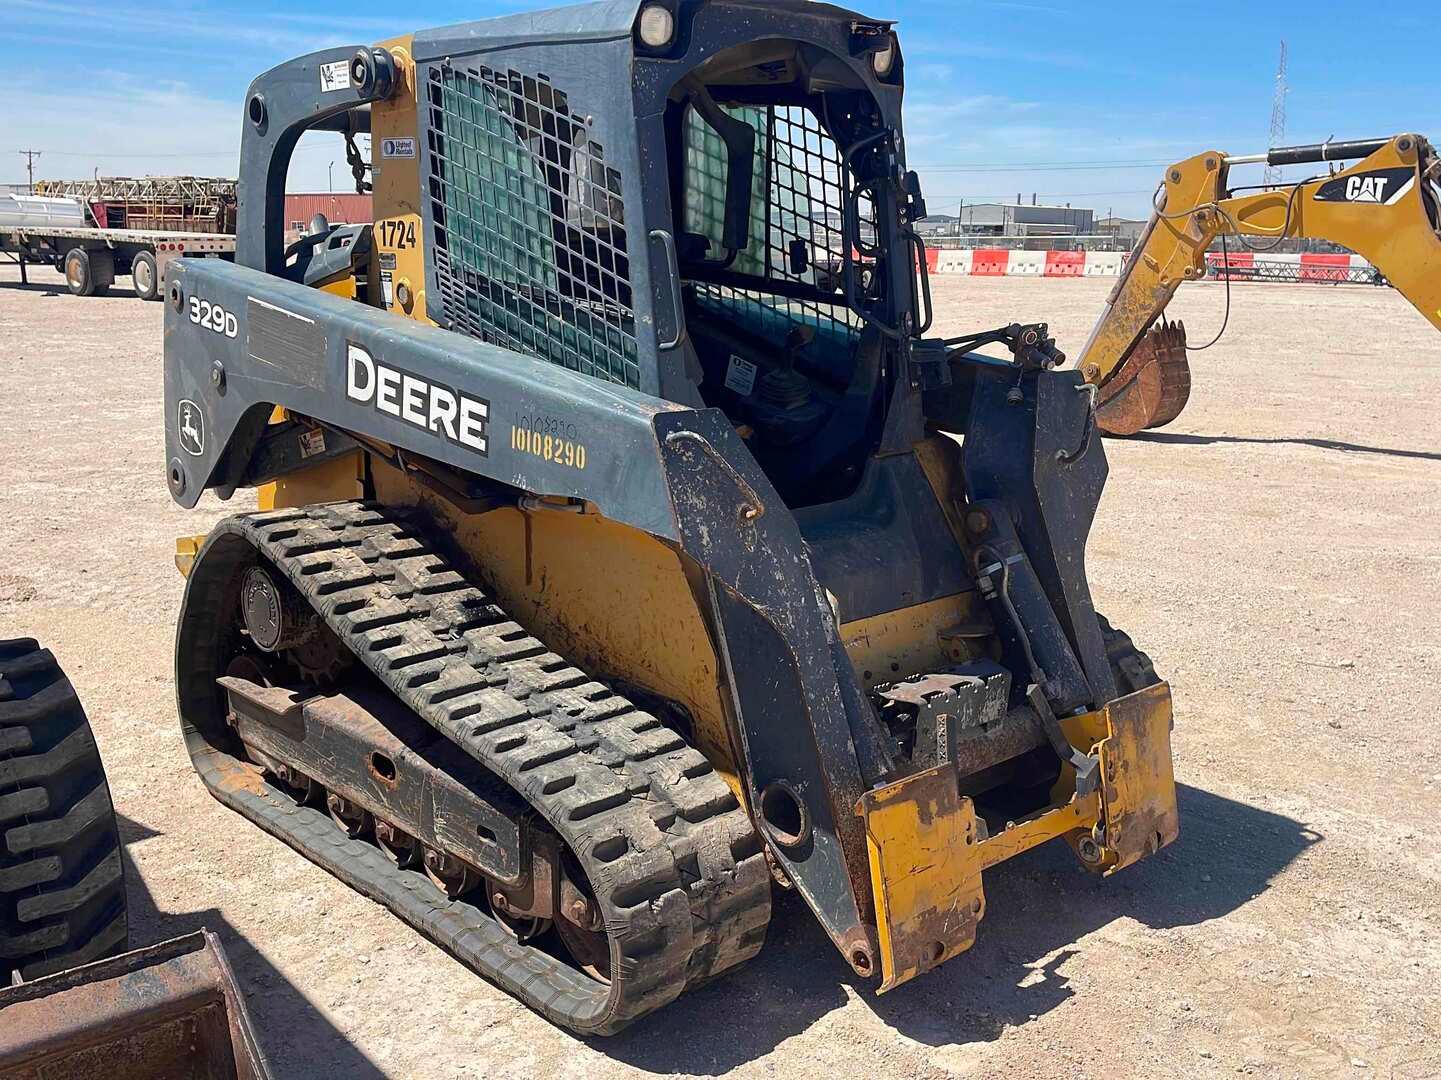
x,y
927,849
166,1012
1137,781
1151,388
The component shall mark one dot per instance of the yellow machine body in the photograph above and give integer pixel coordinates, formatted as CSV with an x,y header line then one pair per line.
x,y
622,604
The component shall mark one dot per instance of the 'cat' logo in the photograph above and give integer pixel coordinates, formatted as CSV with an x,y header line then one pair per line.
x,y
1366,188
1381,186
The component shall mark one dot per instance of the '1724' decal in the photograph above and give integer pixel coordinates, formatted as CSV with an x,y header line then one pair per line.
x,y
397,234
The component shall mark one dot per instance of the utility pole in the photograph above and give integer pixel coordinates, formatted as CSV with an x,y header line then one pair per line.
x,y
1272,176
330,173
30,156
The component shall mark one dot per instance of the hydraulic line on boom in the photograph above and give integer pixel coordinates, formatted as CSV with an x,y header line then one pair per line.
x,y
1384,207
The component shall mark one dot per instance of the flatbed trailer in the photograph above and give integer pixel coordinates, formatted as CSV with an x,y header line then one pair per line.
x,y
90,257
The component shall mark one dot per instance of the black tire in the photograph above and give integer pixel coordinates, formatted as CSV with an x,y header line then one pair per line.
x,y
62,885
79,278
1131,668
146,276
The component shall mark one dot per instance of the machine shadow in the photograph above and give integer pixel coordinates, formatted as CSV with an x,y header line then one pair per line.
x,y
1036,904
295,1037
34,287
1181,439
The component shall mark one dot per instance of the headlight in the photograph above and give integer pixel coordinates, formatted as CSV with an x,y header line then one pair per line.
x,y
657,26
884,58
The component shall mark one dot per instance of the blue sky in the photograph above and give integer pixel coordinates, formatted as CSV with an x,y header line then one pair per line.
x,y
1079,103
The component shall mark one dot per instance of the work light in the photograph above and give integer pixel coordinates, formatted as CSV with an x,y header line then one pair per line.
x,y
657,25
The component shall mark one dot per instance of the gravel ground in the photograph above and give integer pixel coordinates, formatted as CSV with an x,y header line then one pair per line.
x,y
1273,550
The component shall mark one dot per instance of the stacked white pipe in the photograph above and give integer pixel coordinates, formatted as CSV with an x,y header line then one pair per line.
x,y
40,212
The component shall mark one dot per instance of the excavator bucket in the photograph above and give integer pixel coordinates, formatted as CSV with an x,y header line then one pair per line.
x,y
166,1012
1151,388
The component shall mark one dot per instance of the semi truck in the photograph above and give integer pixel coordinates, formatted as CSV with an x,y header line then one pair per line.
x,y
93,231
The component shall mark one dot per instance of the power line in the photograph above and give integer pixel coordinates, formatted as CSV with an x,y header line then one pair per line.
x,y
308,148
1047,166
30,156
125,154
976,166
1058,163
1009,197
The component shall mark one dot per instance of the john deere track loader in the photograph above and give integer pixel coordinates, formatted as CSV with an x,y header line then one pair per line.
x,y
626,550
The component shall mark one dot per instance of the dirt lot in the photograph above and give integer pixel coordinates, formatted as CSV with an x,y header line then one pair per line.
x,y
1275,551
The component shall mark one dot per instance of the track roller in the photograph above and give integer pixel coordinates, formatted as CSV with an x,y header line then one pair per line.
x,y
451,876
353,819
640,911
401,848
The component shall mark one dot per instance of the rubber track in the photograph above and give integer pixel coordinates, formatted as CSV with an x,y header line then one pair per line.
x,y
674,861
62,886
1133,669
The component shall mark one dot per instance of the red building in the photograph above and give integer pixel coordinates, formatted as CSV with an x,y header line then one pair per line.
x,y
339,208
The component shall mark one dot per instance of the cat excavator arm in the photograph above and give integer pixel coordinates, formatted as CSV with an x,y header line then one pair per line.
x,y
1384,207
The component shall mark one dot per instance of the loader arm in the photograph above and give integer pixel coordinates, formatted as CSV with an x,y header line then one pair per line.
x,y
1384,207
622,548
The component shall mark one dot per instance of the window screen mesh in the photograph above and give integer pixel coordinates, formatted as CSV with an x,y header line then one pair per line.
x,y
530,242
797,194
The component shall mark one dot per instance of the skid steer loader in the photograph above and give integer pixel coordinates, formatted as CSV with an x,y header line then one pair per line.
x,y
625,548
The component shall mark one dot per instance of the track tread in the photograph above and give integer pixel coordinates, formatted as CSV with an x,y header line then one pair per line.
x,y
1133,669
62,882
674,860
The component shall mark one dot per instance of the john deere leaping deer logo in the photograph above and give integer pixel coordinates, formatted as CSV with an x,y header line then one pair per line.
x,y
191,427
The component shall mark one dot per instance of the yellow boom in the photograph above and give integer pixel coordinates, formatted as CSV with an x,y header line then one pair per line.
x,y
1384,207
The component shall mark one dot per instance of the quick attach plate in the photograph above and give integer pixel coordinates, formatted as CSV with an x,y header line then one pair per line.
x,y
925,871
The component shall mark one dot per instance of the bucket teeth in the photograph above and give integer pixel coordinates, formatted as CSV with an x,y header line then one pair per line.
x,y
1151,388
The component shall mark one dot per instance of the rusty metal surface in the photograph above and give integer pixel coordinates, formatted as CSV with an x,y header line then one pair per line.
x,y
1082,812
166,1012
925,872
980,748
1137,782
1151,388
425,792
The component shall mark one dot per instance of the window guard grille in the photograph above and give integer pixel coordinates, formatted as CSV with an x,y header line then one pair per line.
x,y
800,184
530,238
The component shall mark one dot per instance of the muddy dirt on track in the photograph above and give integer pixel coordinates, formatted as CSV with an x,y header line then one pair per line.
x,y
1274,550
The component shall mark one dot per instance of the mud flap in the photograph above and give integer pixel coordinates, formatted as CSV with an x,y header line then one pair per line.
x,y
925,872
1138,786
169,1010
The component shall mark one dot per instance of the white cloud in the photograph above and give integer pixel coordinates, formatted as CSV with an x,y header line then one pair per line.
x,y
145,29
122,125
